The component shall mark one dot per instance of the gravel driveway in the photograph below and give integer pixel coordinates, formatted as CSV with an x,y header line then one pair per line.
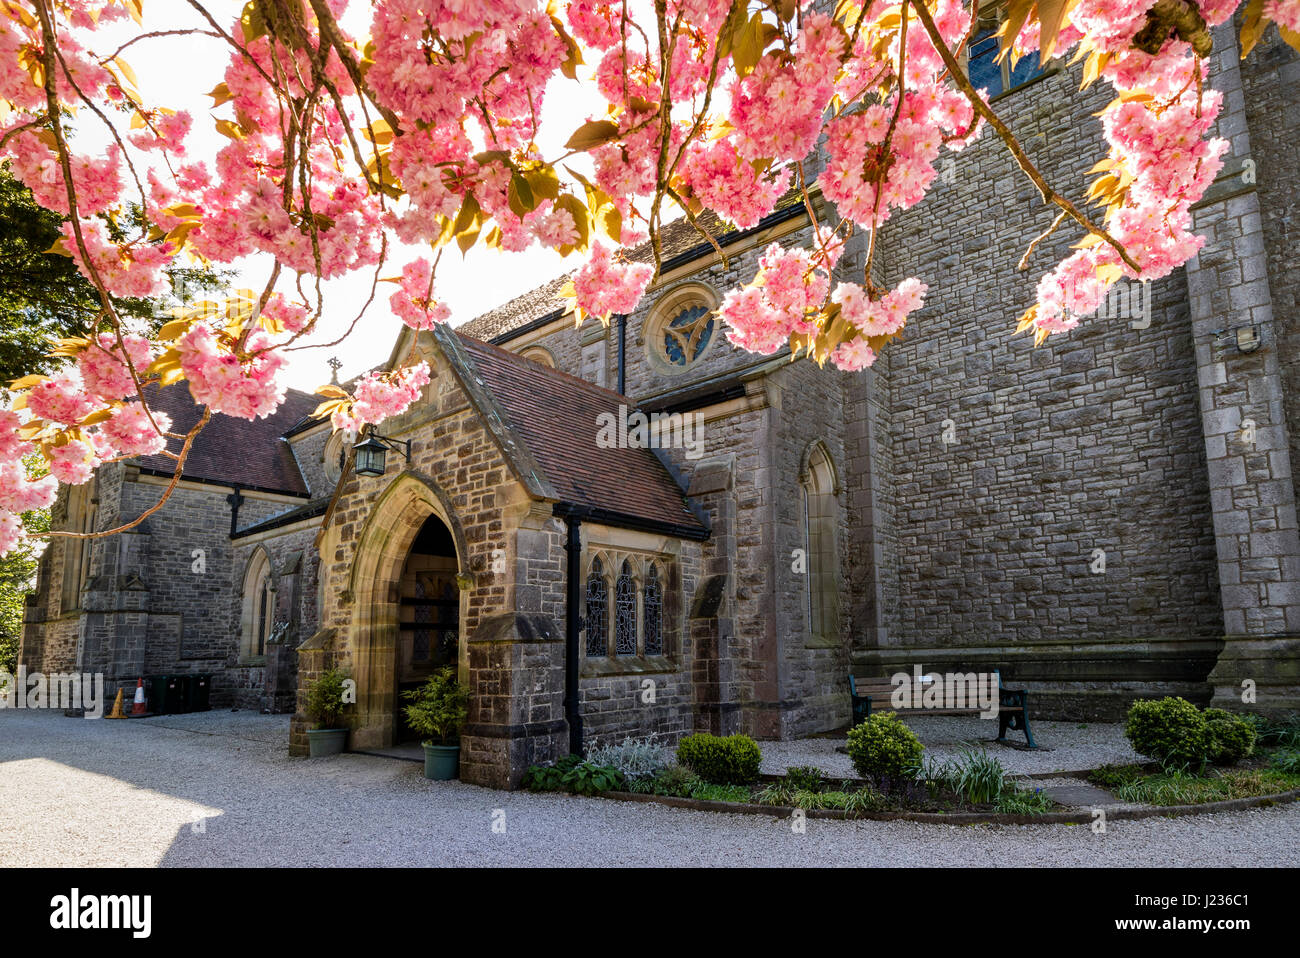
x,y
218,789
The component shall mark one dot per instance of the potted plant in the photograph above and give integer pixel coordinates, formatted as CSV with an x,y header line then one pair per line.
x,y
325,701
437,711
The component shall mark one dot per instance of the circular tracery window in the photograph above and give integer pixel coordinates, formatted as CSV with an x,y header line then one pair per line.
x,y
687,334
333,457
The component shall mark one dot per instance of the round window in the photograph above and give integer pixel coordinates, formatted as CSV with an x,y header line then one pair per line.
x,y
687,335
333,457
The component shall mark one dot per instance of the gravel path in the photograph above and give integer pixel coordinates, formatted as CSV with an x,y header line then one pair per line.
x,y
218,789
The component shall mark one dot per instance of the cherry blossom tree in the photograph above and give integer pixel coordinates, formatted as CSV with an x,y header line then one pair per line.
x,y
343,147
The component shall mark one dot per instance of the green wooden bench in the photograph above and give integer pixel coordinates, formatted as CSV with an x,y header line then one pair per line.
x,y
875,694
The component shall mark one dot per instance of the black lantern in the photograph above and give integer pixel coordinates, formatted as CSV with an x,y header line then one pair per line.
x,y
371,452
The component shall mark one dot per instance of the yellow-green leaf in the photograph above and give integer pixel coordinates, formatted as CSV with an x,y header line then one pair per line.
x,y
592,134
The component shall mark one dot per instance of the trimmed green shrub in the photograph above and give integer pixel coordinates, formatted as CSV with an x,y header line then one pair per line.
x,y
729,760
882,746
1171,730
1232,738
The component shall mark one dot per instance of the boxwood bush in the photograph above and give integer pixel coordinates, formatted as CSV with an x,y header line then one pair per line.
x,y
883,747
1232,738
730,760
1170,730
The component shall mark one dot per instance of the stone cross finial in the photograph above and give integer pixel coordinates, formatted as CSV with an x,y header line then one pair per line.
x,y
335,364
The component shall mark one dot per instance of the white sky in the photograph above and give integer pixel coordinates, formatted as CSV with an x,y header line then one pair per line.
x,y
178,72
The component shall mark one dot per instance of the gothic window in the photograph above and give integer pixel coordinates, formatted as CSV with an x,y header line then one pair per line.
x,y
687,334
822,567
597,610
982,56
625,604
652,613
259,606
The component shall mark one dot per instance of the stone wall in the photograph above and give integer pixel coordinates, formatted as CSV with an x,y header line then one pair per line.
x,y
1089,442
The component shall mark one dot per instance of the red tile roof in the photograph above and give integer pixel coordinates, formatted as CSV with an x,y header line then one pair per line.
x,y
233,451
556,417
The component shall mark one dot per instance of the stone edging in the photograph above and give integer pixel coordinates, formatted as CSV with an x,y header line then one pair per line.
x,y
961,818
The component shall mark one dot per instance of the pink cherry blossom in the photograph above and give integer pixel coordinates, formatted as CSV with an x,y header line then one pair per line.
x,y
103,370
244,387
62,398
413,302
73,463
605,286
130,432
380,395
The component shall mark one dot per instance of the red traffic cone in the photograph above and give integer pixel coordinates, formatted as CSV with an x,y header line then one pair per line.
x,y
138,707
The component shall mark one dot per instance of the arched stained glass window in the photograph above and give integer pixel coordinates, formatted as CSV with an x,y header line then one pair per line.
x,y
625,602
818,482
652,613
597,610
687,334
259,606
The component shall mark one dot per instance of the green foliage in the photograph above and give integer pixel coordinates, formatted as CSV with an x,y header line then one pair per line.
x,y
573,774
778,793
977,777
865,800
18,573
1171,730
325,698
710,792
1181,787
806,778
1283,732
43,295
438,707
675,780
1287,761
882,746
1112,777
1232,738
730,760
638,759
1019,801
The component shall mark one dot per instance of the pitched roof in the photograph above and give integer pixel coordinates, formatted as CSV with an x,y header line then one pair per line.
x,y
556,418
678,240
232,451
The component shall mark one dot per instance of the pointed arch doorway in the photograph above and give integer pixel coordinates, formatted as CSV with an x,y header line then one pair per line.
x,y
428,637
411,543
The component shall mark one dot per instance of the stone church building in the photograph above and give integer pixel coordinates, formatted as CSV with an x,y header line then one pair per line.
x,y
1109,515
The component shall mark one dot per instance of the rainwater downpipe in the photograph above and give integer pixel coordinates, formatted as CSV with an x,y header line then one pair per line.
x,y
622,354
572,628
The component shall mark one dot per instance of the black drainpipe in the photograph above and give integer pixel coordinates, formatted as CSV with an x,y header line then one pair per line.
x,y
572,627
622,355
235,498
